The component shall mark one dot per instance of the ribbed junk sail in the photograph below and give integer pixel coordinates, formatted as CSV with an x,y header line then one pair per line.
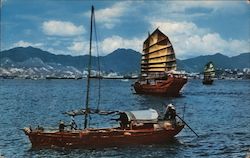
x,y
209,70
158,67
158,55
209,73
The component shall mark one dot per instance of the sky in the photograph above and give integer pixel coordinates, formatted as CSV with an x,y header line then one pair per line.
x,y
62,26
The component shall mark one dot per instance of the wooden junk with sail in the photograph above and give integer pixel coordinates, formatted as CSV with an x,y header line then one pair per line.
x,y
209,73
158,67
136,127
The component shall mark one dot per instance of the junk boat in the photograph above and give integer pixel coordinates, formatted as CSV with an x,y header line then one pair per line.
x,y
158,68
133,127
209,73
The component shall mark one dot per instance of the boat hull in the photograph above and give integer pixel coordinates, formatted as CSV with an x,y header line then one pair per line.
x,y
170,87
208,82
100,138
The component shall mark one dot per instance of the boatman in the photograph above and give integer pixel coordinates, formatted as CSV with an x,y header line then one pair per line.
x,y
73,124
61,126
170,113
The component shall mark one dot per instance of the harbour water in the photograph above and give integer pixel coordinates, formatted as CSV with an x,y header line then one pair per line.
x,y
219,113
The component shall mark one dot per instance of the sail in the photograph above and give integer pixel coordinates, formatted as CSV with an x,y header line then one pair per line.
x,y
158,55
209,70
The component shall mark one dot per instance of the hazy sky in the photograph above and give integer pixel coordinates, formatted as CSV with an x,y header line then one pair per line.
x,y
62,26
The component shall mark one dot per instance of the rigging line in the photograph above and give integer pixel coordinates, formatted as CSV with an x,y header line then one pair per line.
x,y
98,65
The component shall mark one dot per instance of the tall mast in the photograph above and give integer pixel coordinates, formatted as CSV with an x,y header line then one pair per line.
x,y
89,70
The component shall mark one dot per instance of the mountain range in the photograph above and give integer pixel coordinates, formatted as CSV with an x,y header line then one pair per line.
x,y
220,61
123,61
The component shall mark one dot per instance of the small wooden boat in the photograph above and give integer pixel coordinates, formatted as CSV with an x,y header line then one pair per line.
x,y
209,73
136,127
158,68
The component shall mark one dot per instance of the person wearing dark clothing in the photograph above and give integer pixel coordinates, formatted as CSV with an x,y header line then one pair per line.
x,y
170,113
123,120
61,126
73,124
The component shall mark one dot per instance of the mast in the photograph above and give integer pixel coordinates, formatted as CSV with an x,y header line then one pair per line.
x,y
89,71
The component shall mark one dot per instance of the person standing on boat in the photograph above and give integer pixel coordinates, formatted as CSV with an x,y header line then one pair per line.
x,y
73,124
170,113
61,126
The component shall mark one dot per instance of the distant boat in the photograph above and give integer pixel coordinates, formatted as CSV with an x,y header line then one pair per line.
x,y
113,75
209,73
124,80
136,127
158,67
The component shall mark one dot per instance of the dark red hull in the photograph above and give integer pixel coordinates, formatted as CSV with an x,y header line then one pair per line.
x,y
208,82
169,87
101,138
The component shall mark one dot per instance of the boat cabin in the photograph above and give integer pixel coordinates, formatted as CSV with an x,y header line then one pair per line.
x,y
141,119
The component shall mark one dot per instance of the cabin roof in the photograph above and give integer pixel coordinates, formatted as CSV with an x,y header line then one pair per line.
x,y
142,115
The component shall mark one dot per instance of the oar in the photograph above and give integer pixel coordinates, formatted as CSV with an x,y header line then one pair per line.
x,y
187,125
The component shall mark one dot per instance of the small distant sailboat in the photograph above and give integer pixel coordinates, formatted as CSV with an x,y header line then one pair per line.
x,y
158,67
136,127
124,80
209,73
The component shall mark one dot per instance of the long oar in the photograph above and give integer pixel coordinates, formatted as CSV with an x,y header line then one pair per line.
x,y
187,125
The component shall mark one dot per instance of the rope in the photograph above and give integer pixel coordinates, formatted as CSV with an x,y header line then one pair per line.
x,y
98,65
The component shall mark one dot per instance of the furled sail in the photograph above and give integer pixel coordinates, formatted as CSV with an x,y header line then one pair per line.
x,y
209,70
158,55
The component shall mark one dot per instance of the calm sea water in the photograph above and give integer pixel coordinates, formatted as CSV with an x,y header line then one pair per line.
x,y
220,114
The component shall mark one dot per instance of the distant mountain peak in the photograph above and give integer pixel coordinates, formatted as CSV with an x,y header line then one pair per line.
x,y
123,52
220,54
